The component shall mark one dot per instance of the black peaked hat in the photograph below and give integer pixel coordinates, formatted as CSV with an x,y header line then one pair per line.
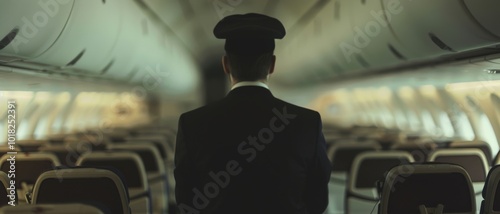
x,y
249,33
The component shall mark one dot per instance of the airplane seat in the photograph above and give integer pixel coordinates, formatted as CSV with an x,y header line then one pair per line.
x,y
167,151
390,138
58,139
31,145
4,190
420,150
491,192
427,188
116,136
361,194
472,160
5,148
67,153
155,170
342,155
65,156
132,167
69,208
29,166
483,146
158,140
332,140
101,187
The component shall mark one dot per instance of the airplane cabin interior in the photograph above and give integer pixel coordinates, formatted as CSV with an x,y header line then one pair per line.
x,y
408,92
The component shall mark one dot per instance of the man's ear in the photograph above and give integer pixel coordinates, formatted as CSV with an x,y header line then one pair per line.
x,y
225,65
273,62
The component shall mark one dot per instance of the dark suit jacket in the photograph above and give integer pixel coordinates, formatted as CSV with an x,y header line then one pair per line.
x,y
251,153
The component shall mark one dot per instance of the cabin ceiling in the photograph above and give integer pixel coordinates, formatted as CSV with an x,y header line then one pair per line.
x,y
312,54
414,47
192,21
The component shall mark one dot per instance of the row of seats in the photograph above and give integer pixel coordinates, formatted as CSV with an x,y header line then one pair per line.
x,y
437,188
420,150
30,167
370,167
99,190
144,158
359,163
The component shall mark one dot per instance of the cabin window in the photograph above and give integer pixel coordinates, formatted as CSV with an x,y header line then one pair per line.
x,y
484,129
400,119
24,107
496,107
428,122
446,126
486,133
463,126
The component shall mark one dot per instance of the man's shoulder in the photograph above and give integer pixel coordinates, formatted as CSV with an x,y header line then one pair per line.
x,y
218,106
202,111
296,107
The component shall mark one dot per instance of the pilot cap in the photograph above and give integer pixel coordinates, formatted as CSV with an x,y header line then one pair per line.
x,y
249,33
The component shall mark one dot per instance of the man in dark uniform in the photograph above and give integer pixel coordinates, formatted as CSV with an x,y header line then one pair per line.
x,y
251,152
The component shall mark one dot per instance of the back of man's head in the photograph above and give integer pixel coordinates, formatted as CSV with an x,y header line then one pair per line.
x,y
249,44
250,67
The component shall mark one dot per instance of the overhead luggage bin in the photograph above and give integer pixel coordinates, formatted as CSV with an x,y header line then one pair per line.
x,y
30,28
128,54
485,13
86,42
436,28
373,44
342,34
326,36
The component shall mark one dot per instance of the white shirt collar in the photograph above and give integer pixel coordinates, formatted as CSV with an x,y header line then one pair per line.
x,y
250,83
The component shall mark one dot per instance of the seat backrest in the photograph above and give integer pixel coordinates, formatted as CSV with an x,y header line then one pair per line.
x,y
415,188
69,152
343,154
4,149
128,163
6,196
28,166
491,192
66,155
148,153
483,146
368,168
419,150
98,187
31,145
155,169
158,140
72,208
472,160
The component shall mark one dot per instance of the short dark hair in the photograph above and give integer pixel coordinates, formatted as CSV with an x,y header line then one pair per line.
x,y
250,67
